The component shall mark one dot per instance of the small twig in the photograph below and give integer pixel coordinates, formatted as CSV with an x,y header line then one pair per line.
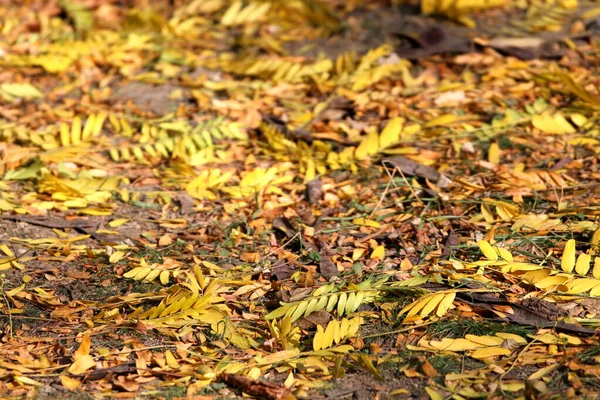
x,y
410,186
16,257
514,364
387,188
282,246
373,235
24,317
405,181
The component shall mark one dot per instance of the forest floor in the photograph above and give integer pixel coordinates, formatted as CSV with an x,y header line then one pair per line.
x,y
325,199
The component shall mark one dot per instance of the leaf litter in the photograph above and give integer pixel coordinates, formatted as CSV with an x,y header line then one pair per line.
x,y
196,203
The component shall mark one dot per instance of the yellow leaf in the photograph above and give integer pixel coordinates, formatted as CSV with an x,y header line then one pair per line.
x,y
24,380
131,274
350,303
372,224
53,63
6,250
490,352
378,253
596,271
555,124
257,12
126,128
583,264
142,274
550,338
442,120
289,381
95,211
342,332
65,134
487,250
82,364
13,292
506,211
505,254
513,386
568,258
432,304
485,340
540,373
299,311
595,237
76,131
391,133
98,123
116,257
581,141
433,395
494,153
354,326
551,281
117,222
312,306
574,340
487,213
345,348
448,344
368,146
583,285
236,14
310,172
115,122
171,360
114,153
280,356
254,373
511,336
329,335
537,275
69,383
457,9
358,301
368,364
22,90
89,125
520,266
321,304
445,304
341,305
357,253
164,277
332,302
416,306
337,331
366,222
322,290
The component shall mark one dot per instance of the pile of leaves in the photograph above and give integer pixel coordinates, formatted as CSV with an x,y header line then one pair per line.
x,y
279,199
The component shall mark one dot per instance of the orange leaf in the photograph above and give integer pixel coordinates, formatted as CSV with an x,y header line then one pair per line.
x,y
82,364
84,347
